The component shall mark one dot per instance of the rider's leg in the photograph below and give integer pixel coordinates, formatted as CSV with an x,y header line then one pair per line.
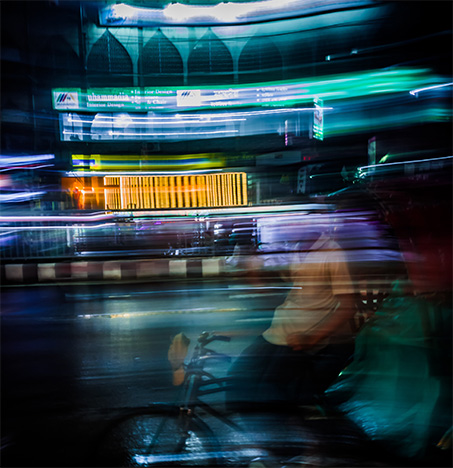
x,y
246,374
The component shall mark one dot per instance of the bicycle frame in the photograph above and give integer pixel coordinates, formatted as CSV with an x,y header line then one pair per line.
x,y
195,386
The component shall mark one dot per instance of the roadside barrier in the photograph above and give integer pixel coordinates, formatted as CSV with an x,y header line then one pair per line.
x,y
112,270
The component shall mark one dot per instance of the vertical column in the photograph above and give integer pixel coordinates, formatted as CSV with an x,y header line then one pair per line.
x,y
172,190
166,195
122,193
186,192
140,192
244,189
179,191
151,192
157,191
193,195
218,185
233,189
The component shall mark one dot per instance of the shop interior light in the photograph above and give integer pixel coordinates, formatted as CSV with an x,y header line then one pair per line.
x,y
120,13
221,13
173,191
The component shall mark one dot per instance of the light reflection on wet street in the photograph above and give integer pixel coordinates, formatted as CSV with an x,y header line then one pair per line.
x,y
76,356
69,352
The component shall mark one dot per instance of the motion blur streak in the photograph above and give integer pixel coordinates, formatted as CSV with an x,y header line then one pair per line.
x,y
226,233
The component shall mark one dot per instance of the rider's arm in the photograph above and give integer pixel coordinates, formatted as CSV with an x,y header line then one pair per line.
x,y
327,327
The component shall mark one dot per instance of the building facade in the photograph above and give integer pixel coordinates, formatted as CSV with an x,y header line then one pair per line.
x,y
285,103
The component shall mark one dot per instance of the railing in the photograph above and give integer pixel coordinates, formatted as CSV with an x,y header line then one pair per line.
x,y
106,235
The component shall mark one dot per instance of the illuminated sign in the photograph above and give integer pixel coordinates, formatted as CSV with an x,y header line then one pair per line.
x,y
103,162
188,98
63,100
175,191
119,99
273,94
151,99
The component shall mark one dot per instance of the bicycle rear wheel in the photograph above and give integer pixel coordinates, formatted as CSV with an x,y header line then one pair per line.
x,y
157,437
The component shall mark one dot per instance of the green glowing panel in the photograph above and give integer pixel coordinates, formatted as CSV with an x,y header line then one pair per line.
x,y
270,94
108,99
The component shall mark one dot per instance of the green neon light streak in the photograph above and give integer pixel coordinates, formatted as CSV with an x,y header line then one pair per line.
x,y
269,94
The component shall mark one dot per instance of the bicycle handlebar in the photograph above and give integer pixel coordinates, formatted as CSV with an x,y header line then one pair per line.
x,y
206,338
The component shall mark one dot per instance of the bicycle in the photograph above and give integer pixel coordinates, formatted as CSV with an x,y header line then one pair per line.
x,y
174,435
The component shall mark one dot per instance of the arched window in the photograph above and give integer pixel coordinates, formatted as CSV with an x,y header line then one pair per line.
x,y
161,63
108,63
260,60
210,62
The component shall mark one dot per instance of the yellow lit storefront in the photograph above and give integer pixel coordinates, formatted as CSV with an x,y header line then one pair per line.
x,y
194,186
175,191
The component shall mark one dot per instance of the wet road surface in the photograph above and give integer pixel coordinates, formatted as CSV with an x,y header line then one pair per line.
x,y
74,356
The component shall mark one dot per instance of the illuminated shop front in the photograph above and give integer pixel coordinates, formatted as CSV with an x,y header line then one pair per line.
x,y
175,191
115,182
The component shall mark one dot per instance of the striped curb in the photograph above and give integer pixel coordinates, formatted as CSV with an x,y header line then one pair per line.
x,y
112,270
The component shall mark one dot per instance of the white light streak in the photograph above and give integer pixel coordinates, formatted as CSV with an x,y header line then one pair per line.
x,y
29,159
138,173
26,168
159,120
416,91
16,197
405,162
45,228
165,458
214,132
79,218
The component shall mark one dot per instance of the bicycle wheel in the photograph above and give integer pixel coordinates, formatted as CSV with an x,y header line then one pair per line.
x,y
157,437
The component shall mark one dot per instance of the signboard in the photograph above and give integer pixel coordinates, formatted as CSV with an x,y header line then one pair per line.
x,y
105,162
113,98
318,120
66,99
287,94
154,99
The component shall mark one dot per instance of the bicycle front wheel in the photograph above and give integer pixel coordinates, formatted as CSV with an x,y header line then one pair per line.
x,y
157,438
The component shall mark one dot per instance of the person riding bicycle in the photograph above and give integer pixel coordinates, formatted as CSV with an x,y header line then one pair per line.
x,y
310,338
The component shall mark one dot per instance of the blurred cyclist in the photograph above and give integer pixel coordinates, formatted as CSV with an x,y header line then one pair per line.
x,y
310,338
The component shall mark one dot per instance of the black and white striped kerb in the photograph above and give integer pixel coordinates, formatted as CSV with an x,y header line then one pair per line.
x,y
111,270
